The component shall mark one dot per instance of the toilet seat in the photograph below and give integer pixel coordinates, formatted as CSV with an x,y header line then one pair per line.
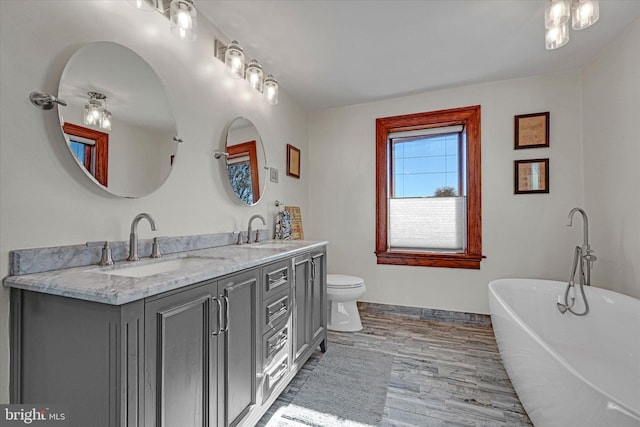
x,y
343,281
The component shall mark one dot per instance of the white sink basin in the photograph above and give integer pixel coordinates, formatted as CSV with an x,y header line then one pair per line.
x,y
156,267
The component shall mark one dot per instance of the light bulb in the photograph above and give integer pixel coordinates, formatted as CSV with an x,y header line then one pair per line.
x,y
557,36
254,75
184,19
556,12
585,13
271,89
234,59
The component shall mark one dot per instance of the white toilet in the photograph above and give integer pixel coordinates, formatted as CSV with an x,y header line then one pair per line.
x,y
342,293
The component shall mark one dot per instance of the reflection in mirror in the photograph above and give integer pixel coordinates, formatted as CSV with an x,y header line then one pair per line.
x,y
245,161
127,147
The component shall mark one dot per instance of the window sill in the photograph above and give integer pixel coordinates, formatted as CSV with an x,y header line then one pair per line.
x,y
421,259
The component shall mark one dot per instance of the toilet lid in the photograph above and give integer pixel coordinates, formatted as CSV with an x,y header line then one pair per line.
x,y
343,281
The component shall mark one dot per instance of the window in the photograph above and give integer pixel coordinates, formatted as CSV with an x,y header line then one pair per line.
x,y
91,148
428,189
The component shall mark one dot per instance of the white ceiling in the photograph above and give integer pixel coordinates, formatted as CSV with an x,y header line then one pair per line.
x,y
335,53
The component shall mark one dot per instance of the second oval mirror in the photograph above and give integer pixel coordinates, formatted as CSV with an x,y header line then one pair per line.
x,y
245,161
118,124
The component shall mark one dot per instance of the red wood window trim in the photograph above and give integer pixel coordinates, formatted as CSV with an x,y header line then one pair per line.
x,y
244,149
101,147
469,117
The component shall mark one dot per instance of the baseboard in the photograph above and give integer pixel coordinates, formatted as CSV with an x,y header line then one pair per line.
x,y
457,317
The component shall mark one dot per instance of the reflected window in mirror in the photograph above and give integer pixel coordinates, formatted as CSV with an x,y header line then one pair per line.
x,y
90,147
242,167
245,167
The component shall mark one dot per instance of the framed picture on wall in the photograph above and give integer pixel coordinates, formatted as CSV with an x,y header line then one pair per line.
x,y
531,131
293,161
531,176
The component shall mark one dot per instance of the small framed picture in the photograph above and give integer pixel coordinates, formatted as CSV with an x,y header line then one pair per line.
x,y
293,161
531,131
531,176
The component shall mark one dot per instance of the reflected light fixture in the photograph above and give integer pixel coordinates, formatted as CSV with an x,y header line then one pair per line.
x,y
557,13
254,75
184,19
234,59
95,111
271,89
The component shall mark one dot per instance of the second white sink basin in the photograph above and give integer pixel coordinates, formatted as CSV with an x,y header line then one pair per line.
x,y
156,267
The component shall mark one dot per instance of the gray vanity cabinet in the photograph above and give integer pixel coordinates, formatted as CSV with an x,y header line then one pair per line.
x,y
310,302
200,353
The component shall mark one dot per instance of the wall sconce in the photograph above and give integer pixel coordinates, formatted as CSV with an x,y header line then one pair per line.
x,y
584,13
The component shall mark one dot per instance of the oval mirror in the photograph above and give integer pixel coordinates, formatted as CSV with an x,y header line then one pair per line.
x,y
118,123
245,161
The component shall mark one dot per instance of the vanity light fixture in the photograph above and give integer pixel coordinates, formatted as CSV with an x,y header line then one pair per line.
x,y
184,19
255,75
583,14
233,57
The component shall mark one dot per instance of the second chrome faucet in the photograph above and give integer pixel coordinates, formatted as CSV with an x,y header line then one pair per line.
x,y
133,236
249,226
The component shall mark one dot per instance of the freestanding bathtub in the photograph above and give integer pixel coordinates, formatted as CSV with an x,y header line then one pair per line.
x,y
569,370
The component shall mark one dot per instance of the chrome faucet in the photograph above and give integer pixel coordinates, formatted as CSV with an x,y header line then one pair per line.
x,y
583,258
249,227
133,236
587,252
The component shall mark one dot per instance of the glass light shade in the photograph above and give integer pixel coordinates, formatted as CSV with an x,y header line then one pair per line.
x,y
271,89
585,13
234,60
146,5
556,37
105,122
254,75
184,19
556,13
92,112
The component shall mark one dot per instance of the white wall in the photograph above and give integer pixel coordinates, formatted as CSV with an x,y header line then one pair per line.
x,y
45,200
523,235
611,92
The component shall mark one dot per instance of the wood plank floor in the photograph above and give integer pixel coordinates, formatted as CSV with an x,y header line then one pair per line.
x,y
444,374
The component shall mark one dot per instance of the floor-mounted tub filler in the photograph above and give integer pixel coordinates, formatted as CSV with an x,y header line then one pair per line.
x,y
569,370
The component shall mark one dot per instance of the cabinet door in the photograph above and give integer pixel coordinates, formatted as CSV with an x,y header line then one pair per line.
x,y
237,377
301,313
318,296
181,358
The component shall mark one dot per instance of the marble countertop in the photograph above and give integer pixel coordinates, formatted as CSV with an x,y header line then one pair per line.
x,y
94,283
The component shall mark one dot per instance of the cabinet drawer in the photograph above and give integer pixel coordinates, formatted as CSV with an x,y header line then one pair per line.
x,y
274,376
277,309
276,278
273,343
